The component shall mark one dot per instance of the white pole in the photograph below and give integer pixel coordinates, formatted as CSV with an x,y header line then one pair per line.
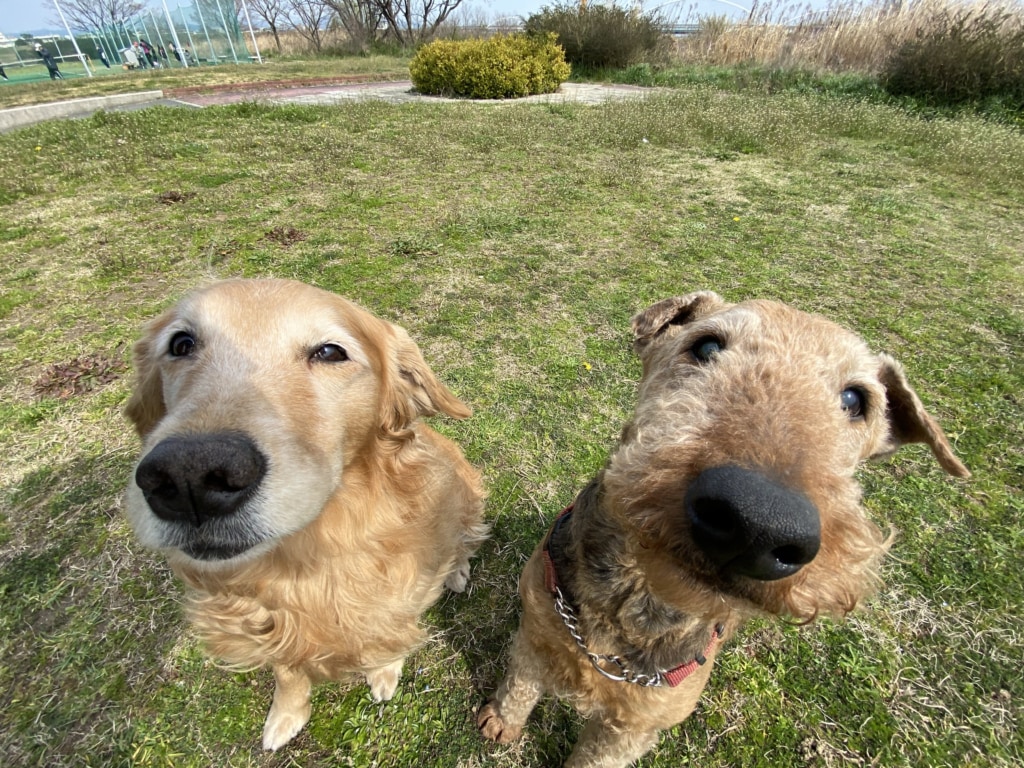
x,y
227,32
252,34
191,42
174,35
213,53
81,56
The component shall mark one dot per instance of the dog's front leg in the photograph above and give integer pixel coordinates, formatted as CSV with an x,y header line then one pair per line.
x,y
502,718
289,711
603,745
383,681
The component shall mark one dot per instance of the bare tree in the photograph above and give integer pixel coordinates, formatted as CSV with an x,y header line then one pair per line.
x,y
219,15
415,21
88,15
360,19
274,13
310,20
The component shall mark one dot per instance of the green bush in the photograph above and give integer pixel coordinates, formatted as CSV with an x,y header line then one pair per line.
x,y
601,36
965,55
499,67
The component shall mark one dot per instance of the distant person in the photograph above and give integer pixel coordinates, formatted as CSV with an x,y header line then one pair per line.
x,y
150,53
2,73
163,55
174,51
103,57
140,55
49,61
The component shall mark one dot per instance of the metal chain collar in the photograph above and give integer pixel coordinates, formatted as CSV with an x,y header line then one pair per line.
x,y
624,673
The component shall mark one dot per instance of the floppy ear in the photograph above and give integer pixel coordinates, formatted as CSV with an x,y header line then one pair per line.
x,y
146,405
909,422
679,310
411,389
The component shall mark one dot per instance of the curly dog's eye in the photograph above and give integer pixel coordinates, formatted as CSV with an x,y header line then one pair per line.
x,y
182,344
854,401
706,348
329,353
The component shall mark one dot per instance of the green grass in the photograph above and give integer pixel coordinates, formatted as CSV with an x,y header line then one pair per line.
x,y
515,242
32,85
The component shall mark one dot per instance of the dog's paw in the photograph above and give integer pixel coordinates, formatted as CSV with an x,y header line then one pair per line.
x,y
281,727
383,682
493,727
459,578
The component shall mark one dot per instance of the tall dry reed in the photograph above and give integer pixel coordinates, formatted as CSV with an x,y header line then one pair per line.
x,y
845,36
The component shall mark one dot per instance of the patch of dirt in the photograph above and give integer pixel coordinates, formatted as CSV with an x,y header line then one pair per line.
x,y
285,236
172,196
83,374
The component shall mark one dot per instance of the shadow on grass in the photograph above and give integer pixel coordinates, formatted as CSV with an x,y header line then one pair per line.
x,y
77,626
479,626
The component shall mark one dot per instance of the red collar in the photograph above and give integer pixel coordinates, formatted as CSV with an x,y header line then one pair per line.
x,y
568,612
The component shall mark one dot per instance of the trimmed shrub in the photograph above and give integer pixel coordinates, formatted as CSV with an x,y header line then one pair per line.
x,y
602,36
499,67
966,54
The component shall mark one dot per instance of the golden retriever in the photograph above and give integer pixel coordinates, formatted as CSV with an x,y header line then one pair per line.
x,y
287,476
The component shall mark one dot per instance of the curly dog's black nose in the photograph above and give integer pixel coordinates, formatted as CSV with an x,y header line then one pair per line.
x,y
193,479
749,525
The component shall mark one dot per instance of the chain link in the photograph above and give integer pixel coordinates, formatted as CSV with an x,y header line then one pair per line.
x,y
624,674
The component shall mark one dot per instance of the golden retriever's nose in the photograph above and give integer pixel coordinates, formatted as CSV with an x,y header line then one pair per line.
x,y
193,479
749,525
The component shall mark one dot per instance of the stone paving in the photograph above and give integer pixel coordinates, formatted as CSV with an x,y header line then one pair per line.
x,y
326,93
401,92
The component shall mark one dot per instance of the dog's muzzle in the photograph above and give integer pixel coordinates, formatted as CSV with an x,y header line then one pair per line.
x,y
748,525
200,483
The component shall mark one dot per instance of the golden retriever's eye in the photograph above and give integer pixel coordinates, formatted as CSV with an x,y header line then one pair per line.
x,y
706,348
329,353
182,344
854,401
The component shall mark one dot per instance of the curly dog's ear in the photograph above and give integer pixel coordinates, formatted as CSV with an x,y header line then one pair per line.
x,y
146,405
909,422
679,310
410,389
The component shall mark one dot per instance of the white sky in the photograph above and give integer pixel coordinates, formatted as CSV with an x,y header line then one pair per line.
x,y
18,16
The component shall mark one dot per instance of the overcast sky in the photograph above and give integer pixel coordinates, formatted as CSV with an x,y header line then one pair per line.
x,y
18,16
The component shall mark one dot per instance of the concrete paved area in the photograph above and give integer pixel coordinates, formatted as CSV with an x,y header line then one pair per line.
x,y
328,93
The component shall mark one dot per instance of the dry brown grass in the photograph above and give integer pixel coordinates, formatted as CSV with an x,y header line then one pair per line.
x,y
850,36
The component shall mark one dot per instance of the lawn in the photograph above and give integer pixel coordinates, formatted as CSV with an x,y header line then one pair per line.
x,y
515,242
31,85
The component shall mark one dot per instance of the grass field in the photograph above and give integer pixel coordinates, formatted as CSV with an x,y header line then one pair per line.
x,y
515,242
33,86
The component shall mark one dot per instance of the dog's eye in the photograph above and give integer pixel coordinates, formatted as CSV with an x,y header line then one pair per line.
x,y
329,353
854,401
706,348
182,344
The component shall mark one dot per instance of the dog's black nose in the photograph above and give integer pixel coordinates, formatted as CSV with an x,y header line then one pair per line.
x,y
193,479
749,525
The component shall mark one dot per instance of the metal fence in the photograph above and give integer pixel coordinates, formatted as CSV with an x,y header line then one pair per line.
x,y
186,34
198,33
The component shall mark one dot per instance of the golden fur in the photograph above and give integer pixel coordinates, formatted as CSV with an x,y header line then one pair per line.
x,y
363,512
770,402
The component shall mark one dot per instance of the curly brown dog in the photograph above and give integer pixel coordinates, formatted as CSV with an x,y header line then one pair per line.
x,y
731,492
287,477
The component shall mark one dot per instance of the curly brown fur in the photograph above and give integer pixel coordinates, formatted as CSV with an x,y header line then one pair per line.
x,y
661,548
345,514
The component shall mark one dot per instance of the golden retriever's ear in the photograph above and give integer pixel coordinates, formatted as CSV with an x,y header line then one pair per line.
x,y
146,405
679,310
411,389
909,422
